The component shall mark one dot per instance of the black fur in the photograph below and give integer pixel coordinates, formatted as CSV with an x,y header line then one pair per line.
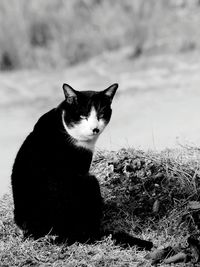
x,y
52,189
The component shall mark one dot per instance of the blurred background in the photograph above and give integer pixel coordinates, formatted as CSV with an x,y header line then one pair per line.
x,y
150,47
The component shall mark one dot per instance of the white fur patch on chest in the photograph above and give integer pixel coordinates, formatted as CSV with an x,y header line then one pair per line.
x,y
84,133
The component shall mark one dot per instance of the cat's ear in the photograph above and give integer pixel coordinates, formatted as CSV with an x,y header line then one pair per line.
x,y
111,90
70,93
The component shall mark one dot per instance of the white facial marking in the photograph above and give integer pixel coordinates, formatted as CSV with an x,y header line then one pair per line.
x,y
83,132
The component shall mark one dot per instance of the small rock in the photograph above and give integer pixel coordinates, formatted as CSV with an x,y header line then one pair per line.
x,y
194,205
180,257
156,206
159,255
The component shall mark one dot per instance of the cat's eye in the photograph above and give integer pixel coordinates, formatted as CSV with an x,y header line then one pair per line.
x,y
83,117
101,116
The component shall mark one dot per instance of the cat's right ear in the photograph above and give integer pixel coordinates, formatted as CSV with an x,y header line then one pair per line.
x,y
70,93
111,90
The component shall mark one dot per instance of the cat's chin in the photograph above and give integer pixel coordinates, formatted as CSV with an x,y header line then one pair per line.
x,y
87,143
88,139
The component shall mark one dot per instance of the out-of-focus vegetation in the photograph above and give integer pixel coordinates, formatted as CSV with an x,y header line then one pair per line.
x,y
57,33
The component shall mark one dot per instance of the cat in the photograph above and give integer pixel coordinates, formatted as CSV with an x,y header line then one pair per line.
x,y
53,191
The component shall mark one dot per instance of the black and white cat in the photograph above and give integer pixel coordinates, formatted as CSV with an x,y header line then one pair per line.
x,y
52,189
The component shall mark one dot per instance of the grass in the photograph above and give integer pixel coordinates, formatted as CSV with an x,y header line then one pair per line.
x,y
56,33
51,33
147,194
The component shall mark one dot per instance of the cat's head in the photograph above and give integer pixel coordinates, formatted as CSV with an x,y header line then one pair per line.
x,y
85,114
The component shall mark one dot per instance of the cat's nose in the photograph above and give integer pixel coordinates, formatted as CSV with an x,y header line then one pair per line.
x,y
95,131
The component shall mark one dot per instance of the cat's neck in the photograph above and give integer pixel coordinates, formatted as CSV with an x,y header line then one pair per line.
x,y
89,145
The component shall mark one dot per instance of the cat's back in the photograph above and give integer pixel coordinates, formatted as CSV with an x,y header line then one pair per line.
x,y
46,127
38,141
47,123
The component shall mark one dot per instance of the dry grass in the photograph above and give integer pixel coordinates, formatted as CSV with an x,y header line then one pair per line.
x,y
58,33
49,33
131,183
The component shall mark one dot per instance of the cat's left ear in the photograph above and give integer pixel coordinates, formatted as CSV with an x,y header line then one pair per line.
x,y
70,93
111,90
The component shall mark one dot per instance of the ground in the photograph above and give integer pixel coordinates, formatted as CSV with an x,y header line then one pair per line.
x,y
150,195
